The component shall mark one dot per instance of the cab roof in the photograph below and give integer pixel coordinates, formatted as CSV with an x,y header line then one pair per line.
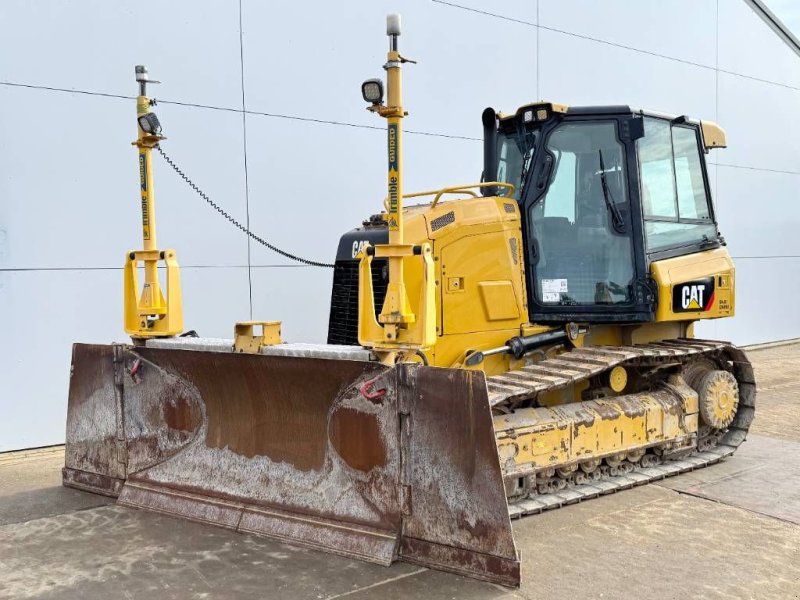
x,y
713,135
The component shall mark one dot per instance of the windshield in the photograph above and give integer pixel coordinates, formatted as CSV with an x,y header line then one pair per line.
x,y
514,154
583,246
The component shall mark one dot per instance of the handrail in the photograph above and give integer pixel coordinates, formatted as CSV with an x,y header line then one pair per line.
x,y
461,189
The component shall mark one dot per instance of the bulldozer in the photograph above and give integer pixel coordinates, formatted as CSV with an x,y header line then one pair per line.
x,y
501,349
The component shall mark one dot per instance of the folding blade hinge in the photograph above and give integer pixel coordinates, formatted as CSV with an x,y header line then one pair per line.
x,y
405,500
405,397
119,408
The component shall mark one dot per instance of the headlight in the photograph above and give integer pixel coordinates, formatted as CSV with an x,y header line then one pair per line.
x,y
372,91
149,124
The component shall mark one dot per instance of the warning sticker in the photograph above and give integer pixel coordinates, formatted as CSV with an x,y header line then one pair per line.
x,y
551,297
554,286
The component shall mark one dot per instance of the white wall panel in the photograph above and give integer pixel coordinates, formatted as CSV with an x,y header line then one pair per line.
x,y
46,311
521,10
713,177
748,46
94,45
467,61
297,296
708,329
214,299
68,175
761,124
683,29
760,212
764,290
70,182
310,183
208,146
580,72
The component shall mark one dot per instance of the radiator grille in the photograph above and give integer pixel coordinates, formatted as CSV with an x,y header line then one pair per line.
x,y
343,322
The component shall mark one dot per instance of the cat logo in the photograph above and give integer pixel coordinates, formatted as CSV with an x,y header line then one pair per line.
x,y
358,246
693,296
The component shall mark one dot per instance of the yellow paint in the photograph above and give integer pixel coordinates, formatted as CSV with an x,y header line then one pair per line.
x,y
251,336
421,332
719,399
147,311
532,439
399,327
618,378
713,135
480,253
498,300
549,107
472,291
396,310
565,395
488,276
646,333
674,271
722,398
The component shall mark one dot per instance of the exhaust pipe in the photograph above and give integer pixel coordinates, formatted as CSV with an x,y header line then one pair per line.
x,y
489,118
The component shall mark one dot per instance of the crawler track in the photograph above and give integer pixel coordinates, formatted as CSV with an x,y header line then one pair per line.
x,y
712,446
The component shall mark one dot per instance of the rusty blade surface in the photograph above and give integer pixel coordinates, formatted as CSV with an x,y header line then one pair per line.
x,y
458,516
344,456
95,456
282,446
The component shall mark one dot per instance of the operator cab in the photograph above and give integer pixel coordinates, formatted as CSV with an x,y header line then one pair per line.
x,y
603,191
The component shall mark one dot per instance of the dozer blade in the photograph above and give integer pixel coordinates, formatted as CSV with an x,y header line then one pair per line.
x,y
344,456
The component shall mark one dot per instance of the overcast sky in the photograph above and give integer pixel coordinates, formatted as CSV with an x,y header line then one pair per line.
x,y
787,11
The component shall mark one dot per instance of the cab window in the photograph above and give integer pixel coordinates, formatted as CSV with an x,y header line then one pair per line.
x,y
675,205
514,154
584,251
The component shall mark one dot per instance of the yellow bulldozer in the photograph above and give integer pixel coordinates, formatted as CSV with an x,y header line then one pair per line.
x,y
504,348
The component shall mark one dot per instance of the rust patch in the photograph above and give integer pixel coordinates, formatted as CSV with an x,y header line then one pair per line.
x,y
92,482
181,415
92,373
265,406
356,438
94,436
497,569
264,460
479,530
453,470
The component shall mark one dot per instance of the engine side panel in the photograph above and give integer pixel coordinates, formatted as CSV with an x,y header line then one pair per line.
x,y
695,286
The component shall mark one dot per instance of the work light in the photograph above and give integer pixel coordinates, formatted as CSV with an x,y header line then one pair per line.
x,y
149,123
372,91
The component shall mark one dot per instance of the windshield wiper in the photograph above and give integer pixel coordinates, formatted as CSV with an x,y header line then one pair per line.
x,y
616,218
526,161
